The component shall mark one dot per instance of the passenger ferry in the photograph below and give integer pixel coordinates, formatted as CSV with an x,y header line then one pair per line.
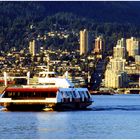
x,y
50,92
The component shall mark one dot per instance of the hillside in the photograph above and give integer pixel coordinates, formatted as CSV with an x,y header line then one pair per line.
x,y
97,10
113,19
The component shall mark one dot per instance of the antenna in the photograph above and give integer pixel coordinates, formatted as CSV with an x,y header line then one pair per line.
x,y
48,61
66,74
28,77
5,78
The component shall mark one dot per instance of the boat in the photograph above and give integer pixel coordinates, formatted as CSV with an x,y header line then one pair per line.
x,y
50,92
51,79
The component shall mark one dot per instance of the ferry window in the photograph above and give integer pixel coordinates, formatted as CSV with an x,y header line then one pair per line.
x,y
42,75
87,94
44,94
63,93
34,94
50,83
83,93
37,94
52,94
74,93
5,94
9,94
51,75
67,94
25,94
14,94
28,94
18,94
31,94
21,94
70,92
80,93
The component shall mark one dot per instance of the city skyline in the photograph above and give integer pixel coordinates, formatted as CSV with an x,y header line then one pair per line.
x,y
69,69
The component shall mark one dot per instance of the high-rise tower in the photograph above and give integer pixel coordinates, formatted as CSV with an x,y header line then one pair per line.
x,y
120,50
133,46
99,45
115,75
84,42
32,47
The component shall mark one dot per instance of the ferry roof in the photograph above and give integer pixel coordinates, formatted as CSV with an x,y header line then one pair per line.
x,y
20,89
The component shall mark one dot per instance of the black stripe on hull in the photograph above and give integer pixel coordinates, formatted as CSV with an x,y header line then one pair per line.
x,y
54,106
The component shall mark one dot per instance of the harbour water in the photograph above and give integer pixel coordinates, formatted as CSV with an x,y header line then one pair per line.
x,y
110,117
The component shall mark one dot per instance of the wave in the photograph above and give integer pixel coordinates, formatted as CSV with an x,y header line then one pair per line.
x,y
120,107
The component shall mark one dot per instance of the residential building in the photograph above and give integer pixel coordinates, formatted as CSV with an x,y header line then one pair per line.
x,y
118,64
99,45
84,42
133,46
115,79
120,50
32,47
137,59
121,42
115,75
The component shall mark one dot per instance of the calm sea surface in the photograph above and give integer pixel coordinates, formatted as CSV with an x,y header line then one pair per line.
x,y
116,116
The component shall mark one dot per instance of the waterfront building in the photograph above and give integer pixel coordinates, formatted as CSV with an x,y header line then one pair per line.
x,y
120,50
99,45
32,47
115,75
133,46
115,79
84,42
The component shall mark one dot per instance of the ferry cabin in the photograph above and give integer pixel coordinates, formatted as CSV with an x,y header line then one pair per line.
x,y
39,98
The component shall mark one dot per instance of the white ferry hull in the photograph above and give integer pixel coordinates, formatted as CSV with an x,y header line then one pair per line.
x,y
41,106
29,98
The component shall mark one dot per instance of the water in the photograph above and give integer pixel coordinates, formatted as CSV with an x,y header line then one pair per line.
x,y
110,117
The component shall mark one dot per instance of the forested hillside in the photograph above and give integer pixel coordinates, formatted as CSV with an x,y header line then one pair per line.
x,y
112,19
